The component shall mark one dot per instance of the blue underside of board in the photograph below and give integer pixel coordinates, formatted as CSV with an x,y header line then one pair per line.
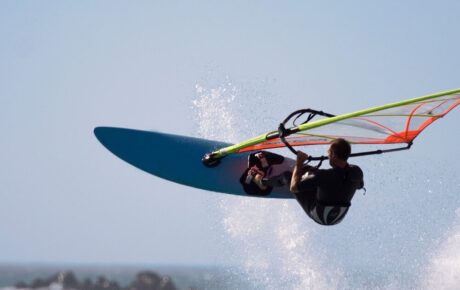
x,y
178,159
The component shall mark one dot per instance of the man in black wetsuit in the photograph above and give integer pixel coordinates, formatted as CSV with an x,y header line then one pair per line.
x,y
326,194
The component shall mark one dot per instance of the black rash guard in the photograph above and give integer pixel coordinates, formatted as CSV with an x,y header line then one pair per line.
x,y
326,194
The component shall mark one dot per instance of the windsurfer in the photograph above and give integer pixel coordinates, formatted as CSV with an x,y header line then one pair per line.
x,y
326,194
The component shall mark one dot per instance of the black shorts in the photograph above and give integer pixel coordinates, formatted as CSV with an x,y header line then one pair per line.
x,y
323,214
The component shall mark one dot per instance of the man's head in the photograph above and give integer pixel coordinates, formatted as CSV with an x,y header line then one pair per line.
x,y
338,152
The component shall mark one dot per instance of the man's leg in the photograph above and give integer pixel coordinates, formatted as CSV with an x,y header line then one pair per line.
x,y
307,200
279,180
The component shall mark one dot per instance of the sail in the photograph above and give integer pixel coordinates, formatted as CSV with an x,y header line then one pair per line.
x,y
400,124
394,123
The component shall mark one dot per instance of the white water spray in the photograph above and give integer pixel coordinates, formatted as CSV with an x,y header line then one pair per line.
x,y
386,242
444,270
268,236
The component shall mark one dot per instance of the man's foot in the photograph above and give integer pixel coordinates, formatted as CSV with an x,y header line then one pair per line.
x,y
263,160
256,175
252,173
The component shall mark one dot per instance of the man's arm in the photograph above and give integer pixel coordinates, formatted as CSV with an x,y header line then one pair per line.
x,y
297,173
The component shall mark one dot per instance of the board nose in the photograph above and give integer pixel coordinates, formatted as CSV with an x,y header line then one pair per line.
x,y
113,139
99,132
103,134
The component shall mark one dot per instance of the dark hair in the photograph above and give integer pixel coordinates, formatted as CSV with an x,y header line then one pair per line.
x,y
341,148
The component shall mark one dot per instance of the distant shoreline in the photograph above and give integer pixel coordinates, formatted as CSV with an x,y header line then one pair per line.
x,y
182,276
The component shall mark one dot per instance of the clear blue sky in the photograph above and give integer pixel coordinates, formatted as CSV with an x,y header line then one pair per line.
x,y
69,66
